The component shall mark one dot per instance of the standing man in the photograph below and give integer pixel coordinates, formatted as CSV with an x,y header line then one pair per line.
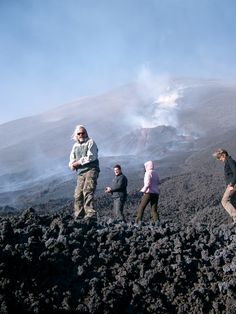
x,y
118,190
151,191
230,179
84,160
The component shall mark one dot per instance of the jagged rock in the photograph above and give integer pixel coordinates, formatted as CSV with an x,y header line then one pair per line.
x,y
53,264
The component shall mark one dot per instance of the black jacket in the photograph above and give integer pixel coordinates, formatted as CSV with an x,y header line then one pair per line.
x,y
119,186
230,171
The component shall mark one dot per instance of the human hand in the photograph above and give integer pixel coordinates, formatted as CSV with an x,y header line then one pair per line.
x,y
74,165
107,189
71,166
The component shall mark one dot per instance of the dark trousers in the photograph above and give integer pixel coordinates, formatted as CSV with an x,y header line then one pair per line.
x,y
118,207
148,198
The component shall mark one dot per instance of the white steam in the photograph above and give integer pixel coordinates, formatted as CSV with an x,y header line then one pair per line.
x,y
163,106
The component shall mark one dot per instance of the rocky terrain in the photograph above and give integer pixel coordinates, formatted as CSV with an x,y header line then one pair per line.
x,y
53,264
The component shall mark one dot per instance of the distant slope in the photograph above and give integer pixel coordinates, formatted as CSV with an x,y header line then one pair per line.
x,y
160,122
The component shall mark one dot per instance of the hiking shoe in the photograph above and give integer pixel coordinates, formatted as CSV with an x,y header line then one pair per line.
x,y
78,218
90,217
154,224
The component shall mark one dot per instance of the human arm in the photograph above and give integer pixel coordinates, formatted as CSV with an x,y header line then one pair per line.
x,y
72,161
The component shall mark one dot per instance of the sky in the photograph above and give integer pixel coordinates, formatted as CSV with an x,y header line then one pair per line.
x,y
53,52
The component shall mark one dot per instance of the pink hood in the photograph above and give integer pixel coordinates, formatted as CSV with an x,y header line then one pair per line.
x,y
149,165
151,179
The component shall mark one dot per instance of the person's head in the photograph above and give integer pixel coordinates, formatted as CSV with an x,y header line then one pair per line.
x,y
220,154
80,133
117,170
148,165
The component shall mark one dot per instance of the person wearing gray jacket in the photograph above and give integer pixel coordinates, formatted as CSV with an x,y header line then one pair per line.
x,y
118,190
84,160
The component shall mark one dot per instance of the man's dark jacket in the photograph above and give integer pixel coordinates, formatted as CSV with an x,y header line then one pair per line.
x,y
230,171
119,187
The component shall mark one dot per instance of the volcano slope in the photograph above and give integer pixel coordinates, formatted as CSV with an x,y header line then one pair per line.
x,y
51,263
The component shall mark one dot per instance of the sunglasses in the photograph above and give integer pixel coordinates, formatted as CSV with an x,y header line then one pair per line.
x,y
81,133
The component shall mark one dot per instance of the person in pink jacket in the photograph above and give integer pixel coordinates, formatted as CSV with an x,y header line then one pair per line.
x,y
150,191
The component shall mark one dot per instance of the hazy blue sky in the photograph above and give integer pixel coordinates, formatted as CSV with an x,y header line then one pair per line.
x,y
55,51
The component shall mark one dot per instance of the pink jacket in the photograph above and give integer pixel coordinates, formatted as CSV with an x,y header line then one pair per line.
x,y
151,179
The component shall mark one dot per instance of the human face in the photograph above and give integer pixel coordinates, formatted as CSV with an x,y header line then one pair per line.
x,y
222,158
117,171
81,135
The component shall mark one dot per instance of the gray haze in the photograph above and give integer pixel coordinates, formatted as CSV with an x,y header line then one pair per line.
x,y
148,119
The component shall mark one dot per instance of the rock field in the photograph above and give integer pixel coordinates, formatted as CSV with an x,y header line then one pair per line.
x,y
51,263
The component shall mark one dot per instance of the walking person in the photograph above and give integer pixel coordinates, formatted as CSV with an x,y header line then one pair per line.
x,y
150,191
84,160
118,190
230,179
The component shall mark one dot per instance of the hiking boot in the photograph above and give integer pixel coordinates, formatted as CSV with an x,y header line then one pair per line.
x,y
90,217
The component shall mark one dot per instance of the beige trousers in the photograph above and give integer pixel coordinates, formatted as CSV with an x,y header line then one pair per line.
x,y
84,193
226,202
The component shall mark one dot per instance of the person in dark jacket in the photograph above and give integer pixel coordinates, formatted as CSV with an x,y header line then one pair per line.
x,y
230,179
118,190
